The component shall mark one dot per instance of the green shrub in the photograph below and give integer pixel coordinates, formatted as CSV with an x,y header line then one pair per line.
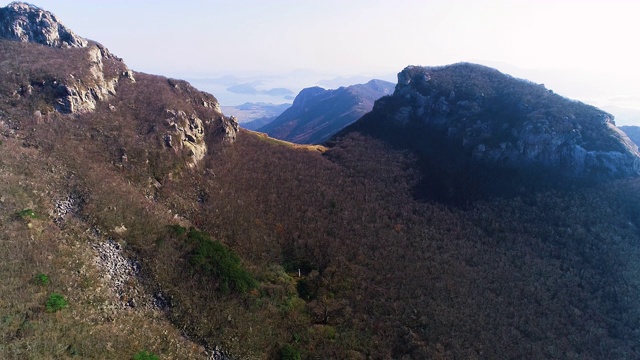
x,y
215,259
145,355
177,230
26,213
41,279
55,303
290,352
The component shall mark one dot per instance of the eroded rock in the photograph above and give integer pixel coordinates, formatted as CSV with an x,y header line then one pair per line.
x,y
81,95
186,132
24,22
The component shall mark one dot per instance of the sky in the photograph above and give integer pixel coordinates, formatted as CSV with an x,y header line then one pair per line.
x,y
585,50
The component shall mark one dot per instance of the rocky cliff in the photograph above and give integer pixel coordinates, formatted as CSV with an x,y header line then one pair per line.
x,y
493,119
90,73
28,23
50,68
317,113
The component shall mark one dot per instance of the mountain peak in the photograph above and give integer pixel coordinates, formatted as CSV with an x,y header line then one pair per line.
x,y
464,118
317,113
20,21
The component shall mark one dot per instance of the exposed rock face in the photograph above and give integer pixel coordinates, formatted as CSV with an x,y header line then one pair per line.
x,y
94,79
81,95
27,23
229,129
187,133
317,114
493,118
198,121
73,76
91,81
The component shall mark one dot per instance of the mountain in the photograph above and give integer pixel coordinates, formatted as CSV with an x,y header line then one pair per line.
x,y
255,115
27,23
136,218
255,124
73,115
633,132
317,114
480,127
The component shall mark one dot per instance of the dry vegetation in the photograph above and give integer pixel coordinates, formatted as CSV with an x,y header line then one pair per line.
x,y
348,264
93,325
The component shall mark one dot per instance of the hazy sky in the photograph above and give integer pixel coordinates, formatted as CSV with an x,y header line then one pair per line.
x,y
581,49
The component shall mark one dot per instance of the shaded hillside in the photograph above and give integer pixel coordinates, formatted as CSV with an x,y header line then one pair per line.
x,y
511,278
168,231
480,131
317,114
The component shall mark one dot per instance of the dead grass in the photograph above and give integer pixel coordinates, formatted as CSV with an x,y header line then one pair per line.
x,y
266,138
92,327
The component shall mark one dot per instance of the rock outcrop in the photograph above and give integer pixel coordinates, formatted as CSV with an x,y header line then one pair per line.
x,y
229,129
187,132
189,127
52,70
91,76
78,86
80,95
493,119
27,23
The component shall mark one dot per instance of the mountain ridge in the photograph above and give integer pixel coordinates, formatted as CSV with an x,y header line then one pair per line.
x,y
467,119
168,230
28,23
91,75
316,113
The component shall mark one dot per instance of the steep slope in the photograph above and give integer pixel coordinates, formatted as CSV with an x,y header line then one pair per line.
x,y
80,133
478,126
270,250
317,114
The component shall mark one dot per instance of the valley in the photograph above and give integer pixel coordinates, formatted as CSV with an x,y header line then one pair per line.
x,y
467,215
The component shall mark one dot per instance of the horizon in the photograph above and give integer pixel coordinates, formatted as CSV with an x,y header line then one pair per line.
x,y
580,50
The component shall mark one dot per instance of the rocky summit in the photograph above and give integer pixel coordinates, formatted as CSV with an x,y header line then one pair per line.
x,y
28,23
494,119
73,76
74,86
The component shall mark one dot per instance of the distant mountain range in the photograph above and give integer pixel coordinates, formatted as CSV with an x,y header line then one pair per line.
x,y
317,114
